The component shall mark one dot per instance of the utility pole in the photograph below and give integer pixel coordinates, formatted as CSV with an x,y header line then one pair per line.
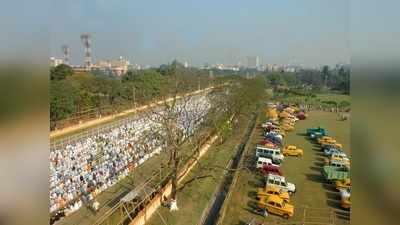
x,y
198,80
134,96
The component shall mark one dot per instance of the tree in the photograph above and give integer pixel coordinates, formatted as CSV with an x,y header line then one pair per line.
x,y
60,72
179,118
62,101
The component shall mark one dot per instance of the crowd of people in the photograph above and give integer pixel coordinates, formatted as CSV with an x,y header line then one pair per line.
x,y
81,170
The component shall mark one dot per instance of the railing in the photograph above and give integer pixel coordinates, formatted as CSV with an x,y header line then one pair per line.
x,y
59,143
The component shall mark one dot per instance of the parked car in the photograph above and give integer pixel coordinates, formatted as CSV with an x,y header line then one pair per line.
x,y
345,203
345,183
279,182
292,150
329,151
273,153
272,169
262,161
332,145
268,191
274,135
337,163
345,192
318,132
332,173
276,205
326,139
301,115
269,144
287,127
339,156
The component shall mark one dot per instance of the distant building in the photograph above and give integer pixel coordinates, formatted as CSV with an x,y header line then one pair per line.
x,y
55,62
253,62
186,64
117,67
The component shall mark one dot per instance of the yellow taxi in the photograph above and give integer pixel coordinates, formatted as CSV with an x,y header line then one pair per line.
x,y
326,140
284,114
287,127
276,205
345,203
292,150
268,191
340,184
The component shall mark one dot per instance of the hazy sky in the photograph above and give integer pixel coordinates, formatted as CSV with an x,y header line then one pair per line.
x,y
198,31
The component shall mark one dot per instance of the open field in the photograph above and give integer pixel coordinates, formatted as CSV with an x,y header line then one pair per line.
x,y
312,191
194,198
319,98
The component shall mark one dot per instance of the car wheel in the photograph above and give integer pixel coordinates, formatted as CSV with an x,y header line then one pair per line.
x,y
286,216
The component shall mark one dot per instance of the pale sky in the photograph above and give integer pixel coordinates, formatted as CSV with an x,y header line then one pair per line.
x,y
312,32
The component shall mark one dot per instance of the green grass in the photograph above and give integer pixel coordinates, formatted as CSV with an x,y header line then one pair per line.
x,y
318,99
333,97
312,190
193,199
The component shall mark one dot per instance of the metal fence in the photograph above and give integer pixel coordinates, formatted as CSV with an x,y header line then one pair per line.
x,y
60,143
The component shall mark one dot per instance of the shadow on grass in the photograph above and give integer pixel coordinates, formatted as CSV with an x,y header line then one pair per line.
x,y
317,149
319,164
329,187
316,178
304,135
315,168
252,207
320,159
333,195
256,183
343,214
252,194
333,203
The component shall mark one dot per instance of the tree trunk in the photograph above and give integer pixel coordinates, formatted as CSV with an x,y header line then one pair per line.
x,y
174,181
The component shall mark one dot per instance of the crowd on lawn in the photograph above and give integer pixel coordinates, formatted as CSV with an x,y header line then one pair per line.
x,y
81,170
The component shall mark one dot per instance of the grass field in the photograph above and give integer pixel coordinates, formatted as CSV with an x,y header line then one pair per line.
x,y
195,197
319,98
313,192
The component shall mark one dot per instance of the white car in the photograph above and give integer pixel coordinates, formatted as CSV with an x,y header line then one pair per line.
x,y
340,155
272,153
280,182
261,162
345,193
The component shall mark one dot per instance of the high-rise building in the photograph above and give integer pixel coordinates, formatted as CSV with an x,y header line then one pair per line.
x,y
253,62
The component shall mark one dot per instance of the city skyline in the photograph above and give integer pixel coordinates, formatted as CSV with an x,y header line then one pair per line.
x,y
311,32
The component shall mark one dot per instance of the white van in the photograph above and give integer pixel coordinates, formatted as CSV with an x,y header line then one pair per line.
x,y
261,162
272,153
280,182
